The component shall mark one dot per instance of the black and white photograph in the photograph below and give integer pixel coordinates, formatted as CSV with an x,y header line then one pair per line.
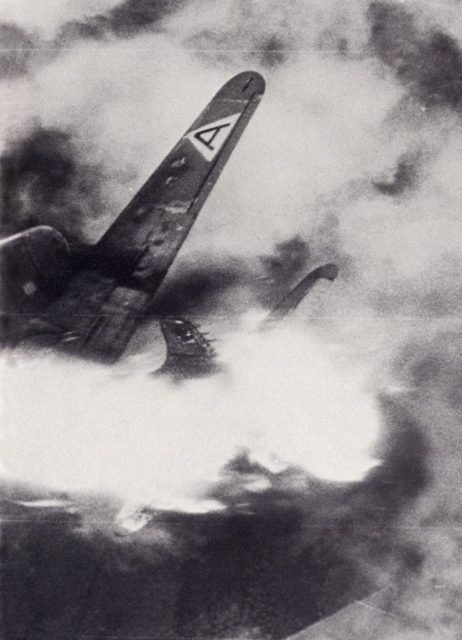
x,y
231,320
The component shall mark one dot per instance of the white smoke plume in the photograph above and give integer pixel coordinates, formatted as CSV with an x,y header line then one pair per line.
x,y
286,399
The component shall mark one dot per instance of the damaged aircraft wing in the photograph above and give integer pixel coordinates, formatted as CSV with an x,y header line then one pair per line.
x,y
102,303
190,353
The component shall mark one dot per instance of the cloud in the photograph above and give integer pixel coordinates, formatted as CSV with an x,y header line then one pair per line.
x,y
47,17
125,19
428,60
17,49
43,181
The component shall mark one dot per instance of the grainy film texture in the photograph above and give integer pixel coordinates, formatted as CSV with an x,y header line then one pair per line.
x,y
231,260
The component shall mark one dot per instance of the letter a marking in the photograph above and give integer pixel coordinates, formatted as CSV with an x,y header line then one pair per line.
x,y
209,138
214,131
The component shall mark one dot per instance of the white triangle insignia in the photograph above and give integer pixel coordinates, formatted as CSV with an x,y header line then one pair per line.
x,y
209,138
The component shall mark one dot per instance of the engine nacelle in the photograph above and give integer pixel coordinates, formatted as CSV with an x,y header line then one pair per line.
x,y
34,268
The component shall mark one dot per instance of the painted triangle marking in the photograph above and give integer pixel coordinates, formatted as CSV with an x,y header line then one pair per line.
x,y
209,138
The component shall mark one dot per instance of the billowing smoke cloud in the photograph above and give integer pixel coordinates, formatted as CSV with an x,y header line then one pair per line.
x,y
342,178
354,156
45,182
428,597
203,424
50,16
221,287
429,61
17,49
124,20
403,179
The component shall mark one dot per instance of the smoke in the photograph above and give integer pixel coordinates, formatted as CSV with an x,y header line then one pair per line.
x,y
428,598
344,166
16,52
428,60
353,156
48,17
124,20
170,443
45,182
221,287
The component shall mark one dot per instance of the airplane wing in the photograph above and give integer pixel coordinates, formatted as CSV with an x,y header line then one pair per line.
x,y
189,352
368,619
142,243
291,301
98,313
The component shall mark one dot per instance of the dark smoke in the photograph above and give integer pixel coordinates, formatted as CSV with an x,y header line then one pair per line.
x,y
430,598
276,572
287,261
270,50
44,180
273,51
126,20
291,557
200,290
213,287
437,364
405,468
404,178
17,49
22,51
430,63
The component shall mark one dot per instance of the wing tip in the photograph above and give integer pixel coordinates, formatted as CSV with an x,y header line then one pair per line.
x,y
245,84
328,271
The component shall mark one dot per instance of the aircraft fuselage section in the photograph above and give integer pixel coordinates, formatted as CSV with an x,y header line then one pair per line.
x,y
109,286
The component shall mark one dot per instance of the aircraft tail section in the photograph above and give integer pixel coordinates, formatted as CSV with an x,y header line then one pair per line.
x,y
144,240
